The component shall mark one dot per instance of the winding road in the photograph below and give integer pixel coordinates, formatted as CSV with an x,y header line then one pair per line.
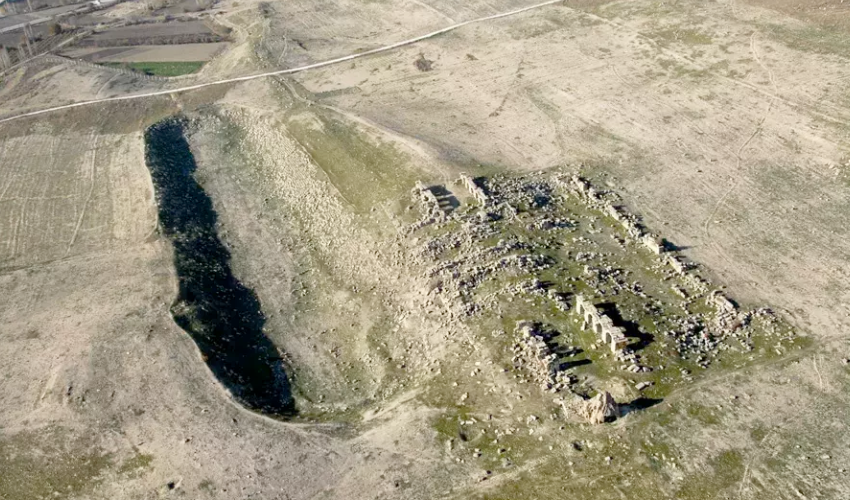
x,y
288,71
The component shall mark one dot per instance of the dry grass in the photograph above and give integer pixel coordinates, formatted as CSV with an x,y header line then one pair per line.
x,y
728,142
833,14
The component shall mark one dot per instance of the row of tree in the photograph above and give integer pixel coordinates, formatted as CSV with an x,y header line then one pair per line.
x,y
27,46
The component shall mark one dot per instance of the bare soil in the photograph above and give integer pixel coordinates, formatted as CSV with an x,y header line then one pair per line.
x,y
724,124
149,53
153,34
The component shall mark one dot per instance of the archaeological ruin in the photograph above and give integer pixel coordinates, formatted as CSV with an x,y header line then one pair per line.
x,y
601,323
547,244
475,189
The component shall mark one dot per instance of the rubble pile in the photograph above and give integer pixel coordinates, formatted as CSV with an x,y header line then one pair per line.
x,y
559,298
729,319
601,323
534,356
629,222
460,278
600,409
475,189
431,204
519,239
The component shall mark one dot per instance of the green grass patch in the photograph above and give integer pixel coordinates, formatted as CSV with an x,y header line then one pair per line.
x,y
159,68
811,39
49,463
680,35
725,471
136,464
366,171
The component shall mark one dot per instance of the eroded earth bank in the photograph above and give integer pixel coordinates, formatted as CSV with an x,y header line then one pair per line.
x,y
513,270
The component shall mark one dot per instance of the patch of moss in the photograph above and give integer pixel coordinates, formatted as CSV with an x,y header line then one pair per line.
x,y
365,171
810,38
680,35
159,68
49,463
136,464
725,471
702,414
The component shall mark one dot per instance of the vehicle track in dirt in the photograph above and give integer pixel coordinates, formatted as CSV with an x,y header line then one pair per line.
x,y
288,71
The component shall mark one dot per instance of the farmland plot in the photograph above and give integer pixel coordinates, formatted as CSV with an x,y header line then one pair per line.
x,y
145,53
65,195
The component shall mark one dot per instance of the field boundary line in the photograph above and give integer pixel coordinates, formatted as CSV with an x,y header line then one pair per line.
x,y
322,64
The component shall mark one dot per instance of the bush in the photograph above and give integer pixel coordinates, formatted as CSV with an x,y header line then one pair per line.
x,y
54,29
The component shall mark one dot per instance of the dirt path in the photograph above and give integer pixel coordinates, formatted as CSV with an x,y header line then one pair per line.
x,y
322,64
758,129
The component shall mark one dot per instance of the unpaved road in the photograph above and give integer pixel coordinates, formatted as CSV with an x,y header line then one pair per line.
x,y
664,104
288,71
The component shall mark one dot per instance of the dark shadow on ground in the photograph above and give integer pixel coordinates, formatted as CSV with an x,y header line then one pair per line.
x,y
481,182
221,315
669,246
631,328
448,202
566,365
562,351
638,404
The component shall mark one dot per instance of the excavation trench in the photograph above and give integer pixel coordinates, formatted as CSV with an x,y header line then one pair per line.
x,y
220,314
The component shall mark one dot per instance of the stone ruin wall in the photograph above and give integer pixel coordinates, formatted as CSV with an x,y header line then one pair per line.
x,y
728,317
602,324
428,198
534,354
592,197
477,191
639,234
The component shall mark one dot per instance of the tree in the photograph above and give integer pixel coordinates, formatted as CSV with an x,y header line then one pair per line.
x,y
5,58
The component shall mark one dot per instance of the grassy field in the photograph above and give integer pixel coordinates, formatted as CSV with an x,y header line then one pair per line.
x,y
159,68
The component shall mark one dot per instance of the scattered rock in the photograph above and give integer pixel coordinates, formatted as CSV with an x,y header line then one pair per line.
x,y
642,385
601,408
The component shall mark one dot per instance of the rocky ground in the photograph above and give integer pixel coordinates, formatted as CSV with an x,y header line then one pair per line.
x,y
594,250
